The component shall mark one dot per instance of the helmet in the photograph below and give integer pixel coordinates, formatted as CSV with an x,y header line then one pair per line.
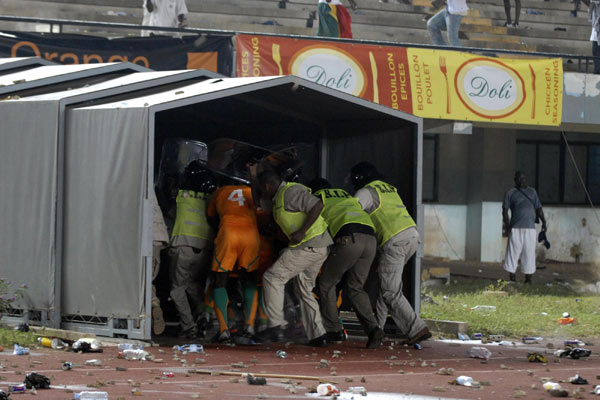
x,y
319,183
363,173
199,178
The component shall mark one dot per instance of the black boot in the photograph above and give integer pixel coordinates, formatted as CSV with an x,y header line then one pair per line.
x,y
512,277
528,278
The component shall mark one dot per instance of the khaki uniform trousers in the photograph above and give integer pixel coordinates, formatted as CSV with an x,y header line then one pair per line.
x,y
393,256
353,254
302,265
189,267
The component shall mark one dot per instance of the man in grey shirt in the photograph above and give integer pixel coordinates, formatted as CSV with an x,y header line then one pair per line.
x,y
524,206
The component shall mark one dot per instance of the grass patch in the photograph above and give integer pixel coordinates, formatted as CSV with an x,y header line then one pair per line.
x,y
520,314
9,337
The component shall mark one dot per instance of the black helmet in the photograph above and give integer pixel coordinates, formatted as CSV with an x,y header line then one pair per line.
x,y
319,183
198,178
363,173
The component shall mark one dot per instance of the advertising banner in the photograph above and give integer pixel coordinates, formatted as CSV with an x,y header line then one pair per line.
x,y
463,86
375,73
427,83
161,53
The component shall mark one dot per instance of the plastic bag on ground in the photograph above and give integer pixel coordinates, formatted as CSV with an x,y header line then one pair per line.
x,y
87,345
20,351
37,381
479,352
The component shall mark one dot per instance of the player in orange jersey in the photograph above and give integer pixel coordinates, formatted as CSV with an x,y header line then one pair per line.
x,y
236,247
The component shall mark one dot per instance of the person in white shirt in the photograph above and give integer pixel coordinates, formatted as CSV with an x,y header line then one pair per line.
x,y
169,13
448,18
594,17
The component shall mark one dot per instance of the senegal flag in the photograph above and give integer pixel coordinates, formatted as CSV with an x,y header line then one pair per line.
x,y
334,20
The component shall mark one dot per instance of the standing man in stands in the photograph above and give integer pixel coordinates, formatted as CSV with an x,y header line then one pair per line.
x,y
334,19
298,214
448,18
594,17
525,209
168,13
191,245
398,239
353,233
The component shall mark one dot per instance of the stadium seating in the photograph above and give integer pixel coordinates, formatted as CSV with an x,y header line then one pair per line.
x,y
545,26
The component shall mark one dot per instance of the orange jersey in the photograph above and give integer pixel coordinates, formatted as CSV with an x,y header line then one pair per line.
x,y
233,205
237,242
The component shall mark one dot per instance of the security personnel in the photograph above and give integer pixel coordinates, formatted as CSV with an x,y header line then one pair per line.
x,y
297,212
191,246
353,234
398,239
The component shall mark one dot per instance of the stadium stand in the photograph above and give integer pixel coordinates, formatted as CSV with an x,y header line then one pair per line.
x,y
546,26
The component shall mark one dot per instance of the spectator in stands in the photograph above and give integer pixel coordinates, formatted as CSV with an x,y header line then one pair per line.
x,y
168,13
449,18
594,16
334,19
517,13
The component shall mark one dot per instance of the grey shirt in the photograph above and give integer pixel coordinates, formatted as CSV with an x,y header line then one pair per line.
x,y
368,199
298,199
522,205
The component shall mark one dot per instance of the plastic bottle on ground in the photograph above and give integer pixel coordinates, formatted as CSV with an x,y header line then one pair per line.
x,y
327,389
134,354
129,346
20,351
191,348
281,354
91,396
464,380
551,385
483,308
479,352
358,390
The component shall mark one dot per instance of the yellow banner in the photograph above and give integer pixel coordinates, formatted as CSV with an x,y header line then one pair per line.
x,y
468,87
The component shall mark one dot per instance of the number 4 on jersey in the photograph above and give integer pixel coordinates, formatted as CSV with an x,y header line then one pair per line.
x,y
238,196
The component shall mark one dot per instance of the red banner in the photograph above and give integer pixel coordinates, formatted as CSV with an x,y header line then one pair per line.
x,y
376,73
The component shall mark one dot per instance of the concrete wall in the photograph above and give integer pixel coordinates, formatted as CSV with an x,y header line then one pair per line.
x,y
445,231
571,231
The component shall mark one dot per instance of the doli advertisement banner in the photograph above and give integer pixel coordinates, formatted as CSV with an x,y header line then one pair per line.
x,y
427,83
462,86
160,53
375,73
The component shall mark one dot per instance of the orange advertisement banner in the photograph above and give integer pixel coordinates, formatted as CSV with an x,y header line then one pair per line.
x,y
375,73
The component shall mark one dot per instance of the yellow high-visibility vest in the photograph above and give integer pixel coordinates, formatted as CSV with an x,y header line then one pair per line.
x,y
340,209
290,222
191,215
391,217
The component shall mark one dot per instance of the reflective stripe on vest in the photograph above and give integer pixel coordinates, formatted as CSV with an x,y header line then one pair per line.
x,y
290,222
340,209
191,215
391,217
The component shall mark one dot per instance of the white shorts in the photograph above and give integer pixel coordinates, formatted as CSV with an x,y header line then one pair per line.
x,y
521,245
